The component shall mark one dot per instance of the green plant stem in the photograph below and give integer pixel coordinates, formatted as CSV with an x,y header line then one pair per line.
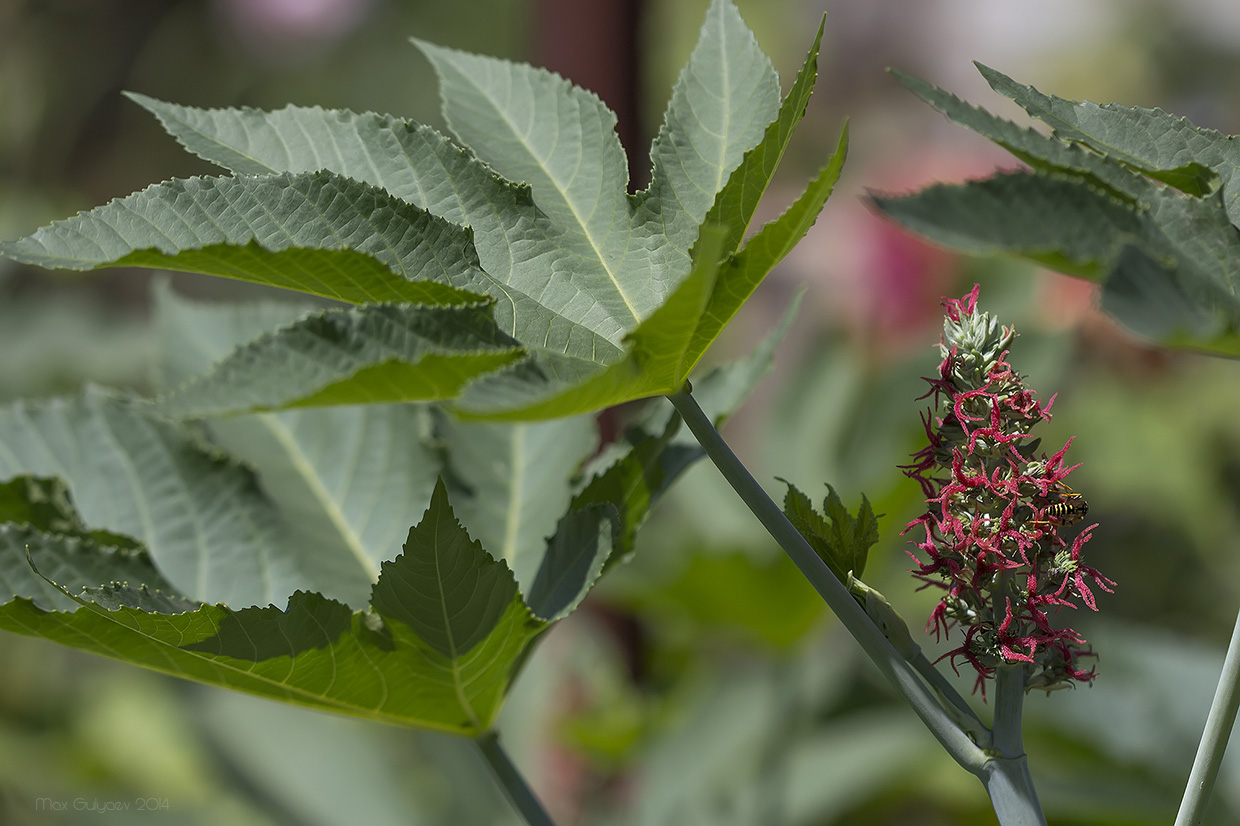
x,y
1006,777
902,676
935,679
510,780
1219,723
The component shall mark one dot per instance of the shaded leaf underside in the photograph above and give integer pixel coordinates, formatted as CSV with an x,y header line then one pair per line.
x,y
1166,250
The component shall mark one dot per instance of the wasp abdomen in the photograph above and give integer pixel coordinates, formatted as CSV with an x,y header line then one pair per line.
x,y
1072,508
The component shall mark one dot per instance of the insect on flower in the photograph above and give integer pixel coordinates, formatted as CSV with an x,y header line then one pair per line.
x,y
989,536
1070,508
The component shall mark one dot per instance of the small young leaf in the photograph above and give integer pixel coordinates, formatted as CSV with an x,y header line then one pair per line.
x,y
842,540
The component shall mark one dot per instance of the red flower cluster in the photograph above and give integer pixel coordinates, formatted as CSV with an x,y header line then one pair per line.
x,y
992,538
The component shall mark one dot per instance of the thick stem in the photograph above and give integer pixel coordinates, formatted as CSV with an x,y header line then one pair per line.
x,y
1214,739
1007,777
1011,791
935,679
510,780
902,676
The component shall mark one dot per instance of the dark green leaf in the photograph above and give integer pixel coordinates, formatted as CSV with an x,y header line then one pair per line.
x,y
445,586
436,651
576,554
842,540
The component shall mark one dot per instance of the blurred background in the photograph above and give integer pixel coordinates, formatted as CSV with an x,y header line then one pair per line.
x,y
703,682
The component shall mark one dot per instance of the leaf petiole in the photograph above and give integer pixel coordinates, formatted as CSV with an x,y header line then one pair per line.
x,y
901,674
511,781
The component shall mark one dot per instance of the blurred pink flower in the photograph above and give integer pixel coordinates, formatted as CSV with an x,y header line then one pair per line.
x,y
289,22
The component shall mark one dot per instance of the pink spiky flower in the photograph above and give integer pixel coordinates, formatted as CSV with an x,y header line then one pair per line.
x,y
990,538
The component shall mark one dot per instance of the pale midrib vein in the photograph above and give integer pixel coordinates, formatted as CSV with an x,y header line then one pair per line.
x,y
585,230
720,179
458,685
512,519
212,137
331,508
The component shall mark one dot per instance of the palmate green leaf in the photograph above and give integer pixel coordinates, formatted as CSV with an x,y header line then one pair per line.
x,y
201,514
578,269
513,482
1168,148
348,480
372,354
1168,259
295,231
533,126
1041,152
745,271
437,650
